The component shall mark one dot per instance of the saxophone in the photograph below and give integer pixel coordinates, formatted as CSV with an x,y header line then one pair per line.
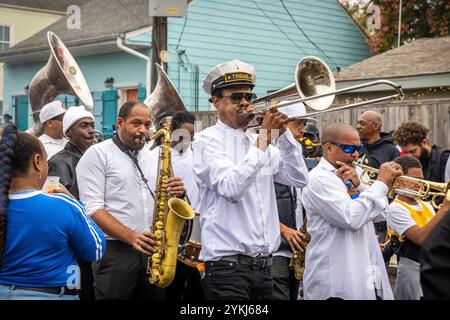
x,y
169,216
297,263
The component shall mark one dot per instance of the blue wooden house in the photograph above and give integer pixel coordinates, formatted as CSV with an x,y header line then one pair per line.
x,y
271,35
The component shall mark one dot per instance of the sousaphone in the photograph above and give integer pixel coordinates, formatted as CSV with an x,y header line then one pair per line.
x,y
165,100
61,75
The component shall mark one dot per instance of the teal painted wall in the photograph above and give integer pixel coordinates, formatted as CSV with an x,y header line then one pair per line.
x,y
216,31
123,67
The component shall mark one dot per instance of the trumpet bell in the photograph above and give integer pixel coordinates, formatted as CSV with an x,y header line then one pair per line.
x,y
313,77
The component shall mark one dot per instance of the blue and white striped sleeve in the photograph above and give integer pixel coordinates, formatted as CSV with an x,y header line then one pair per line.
x,y
85,237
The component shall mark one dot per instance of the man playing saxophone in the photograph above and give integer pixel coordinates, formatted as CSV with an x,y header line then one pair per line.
x,y
116,179
343,260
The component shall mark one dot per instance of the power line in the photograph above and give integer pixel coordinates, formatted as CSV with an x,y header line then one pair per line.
x,y
279,28
306,36
182,31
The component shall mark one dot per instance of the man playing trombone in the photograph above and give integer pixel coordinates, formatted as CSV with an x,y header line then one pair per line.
x,y
343,259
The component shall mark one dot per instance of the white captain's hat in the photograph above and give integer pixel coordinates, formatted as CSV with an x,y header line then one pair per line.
x,y
227,74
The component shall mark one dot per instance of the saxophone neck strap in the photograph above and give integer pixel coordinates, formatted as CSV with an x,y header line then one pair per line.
x,y
133,156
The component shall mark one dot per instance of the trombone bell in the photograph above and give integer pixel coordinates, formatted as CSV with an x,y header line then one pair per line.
x,y
313,77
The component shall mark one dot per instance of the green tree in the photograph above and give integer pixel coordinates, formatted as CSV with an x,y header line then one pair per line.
x,y
420,19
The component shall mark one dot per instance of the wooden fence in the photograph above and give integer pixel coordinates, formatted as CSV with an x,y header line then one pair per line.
x,y
433,113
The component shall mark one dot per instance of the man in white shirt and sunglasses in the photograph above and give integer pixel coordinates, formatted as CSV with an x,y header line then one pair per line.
x,y
236,171
343,259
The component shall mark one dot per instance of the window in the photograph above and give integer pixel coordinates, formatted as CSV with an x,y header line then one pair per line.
x,y
5,38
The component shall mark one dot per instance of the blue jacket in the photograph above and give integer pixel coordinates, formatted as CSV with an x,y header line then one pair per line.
x,y
44,234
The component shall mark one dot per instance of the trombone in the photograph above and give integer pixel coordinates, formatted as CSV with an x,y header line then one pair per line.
x,y
425,188
315,84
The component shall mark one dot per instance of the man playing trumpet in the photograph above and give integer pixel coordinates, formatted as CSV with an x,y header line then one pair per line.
x,y
343,259
237,170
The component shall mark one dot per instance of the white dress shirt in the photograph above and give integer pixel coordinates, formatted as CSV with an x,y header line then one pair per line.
x,y
182,165
52,146
108,179
238,205
343,259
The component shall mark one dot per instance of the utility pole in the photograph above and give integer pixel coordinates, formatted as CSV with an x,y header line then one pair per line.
x,y
159,43
399,23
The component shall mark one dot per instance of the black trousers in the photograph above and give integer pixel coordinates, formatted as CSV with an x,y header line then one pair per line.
x,y
380,230
87,280
121,274
285,285
225,280
186,285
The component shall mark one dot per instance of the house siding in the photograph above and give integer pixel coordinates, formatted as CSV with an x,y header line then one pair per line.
x,y
123,67
213,34
21,28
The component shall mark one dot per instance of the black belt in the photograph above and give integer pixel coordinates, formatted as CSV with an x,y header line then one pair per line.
x,y
258,262
52,290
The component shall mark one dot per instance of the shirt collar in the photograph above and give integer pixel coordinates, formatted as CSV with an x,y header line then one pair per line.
x,y
224,126
52,140
24,194
326,165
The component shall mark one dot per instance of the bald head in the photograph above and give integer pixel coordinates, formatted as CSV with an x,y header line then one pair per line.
x,y
339,133
336,131
372,117
369,126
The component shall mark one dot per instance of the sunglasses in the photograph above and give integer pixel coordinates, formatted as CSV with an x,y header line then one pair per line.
x,y
348,148
236,97
58,117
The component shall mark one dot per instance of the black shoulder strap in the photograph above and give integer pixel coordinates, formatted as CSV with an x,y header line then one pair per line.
x,y
133,157
434,167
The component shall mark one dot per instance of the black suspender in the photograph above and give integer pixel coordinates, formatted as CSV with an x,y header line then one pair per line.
x,y
133,155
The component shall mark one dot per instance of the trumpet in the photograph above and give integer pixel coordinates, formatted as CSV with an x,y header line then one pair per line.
x,y
424,190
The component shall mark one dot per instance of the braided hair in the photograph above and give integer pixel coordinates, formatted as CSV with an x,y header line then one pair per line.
x,y
16,151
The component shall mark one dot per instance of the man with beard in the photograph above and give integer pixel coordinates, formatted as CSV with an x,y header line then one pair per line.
x,y
411,136
116,179
237,170
78,127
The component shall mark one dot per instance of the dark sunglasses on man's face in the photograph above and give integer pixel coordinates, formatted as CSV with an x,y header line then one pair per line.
x,y
58,118
236,97
348,148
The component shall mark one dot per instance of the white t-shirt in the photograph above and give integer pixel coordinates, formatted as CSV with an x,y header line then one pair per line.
x,y
52,146
399,218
